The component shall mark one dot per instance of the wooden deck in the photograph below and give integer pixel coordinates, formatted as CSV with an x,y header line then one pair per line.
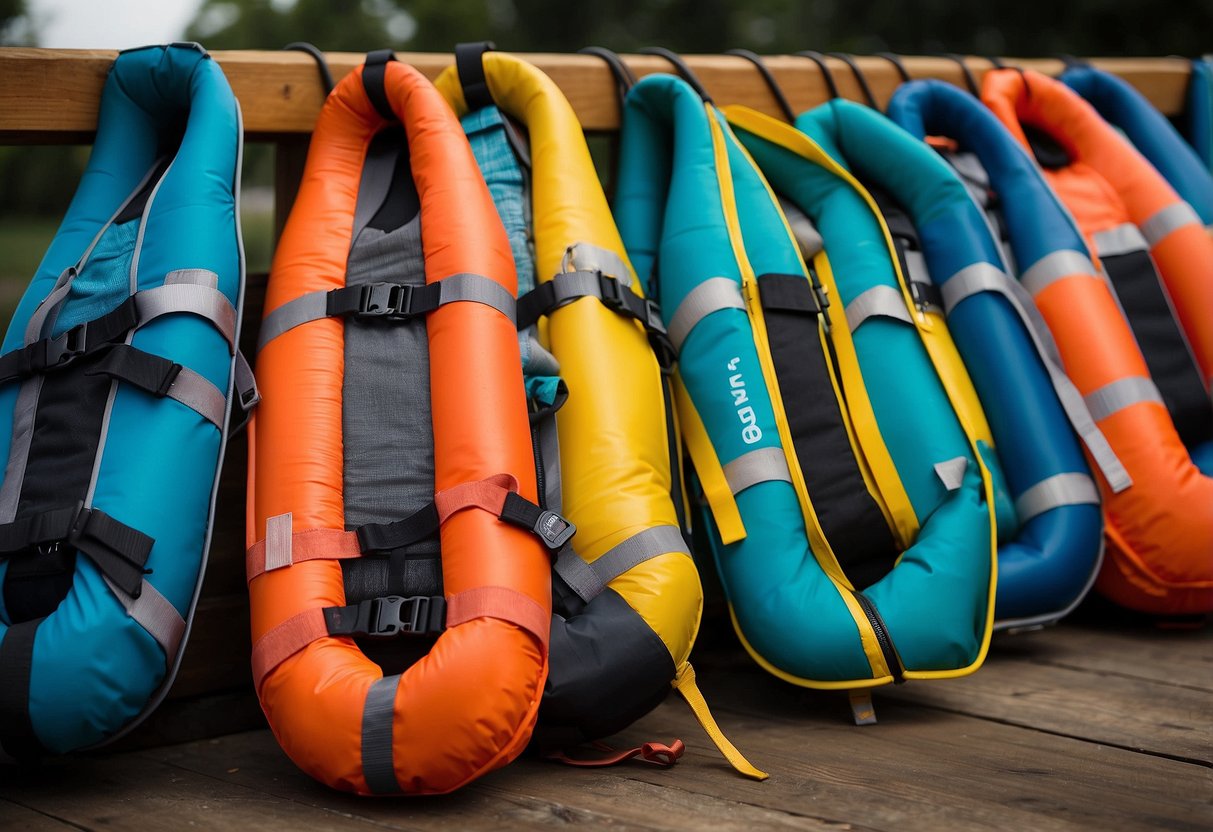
x,y
1085,726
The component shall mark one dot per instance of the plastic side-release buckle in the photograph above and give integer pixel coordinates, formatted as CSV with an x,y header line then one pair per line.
x,y
60,351
385,300
388,616
553,529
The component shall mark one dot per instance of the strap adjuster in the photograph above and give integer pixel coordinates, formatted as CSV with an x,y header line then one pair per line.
x,y
612,292
553,529
390,616
821,294
393,300
60,351
926,296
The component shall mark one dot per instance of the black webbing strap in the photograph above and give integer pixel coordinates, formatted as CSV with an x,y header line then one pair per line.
x,y
388,616
469,63
151,373
374,71
849,516
1162,343
17,735
60,351
119,551
383,538
384,300
618,297
901,227
553,529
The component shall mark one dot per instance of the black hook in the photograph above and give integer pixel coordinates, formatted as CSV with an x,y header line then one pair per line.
x,y
776,90
679,64
326,76
896,61
970,78
859,77
625,79
827,76
996,62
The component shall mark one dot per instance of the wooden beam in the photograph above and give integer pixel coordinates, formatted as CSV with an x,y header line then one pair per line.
x,y
51,95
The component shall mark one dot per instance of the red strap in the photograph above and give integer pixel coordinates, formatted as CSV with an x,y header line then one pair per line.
x,y
309,544
502,603
285,640
488,494
651,752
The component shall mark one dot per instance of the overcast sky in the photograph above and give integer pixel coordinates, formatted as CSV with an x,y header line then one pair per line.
x,y
110,24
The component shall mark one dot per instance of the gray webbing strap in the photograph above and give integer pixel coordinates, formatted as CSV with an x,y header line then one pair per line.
x,y
549,453
808,238
310,307
193,298
1120,394
50,304
1053,267
24,411
155,614
197,393
1172,218
1122,239
588,580
378,720
984,277
245,383
710,296
951,472
569,286
1056,491
196,277
477,288
877,302
591,258
759,465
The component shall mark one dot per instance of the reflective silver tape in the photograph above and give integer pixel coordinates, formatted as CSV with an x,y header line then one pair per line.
x,y
759,465
1172,218
1122,239
916,267
378,720
156,615
310,307
1056,491
1053,267
476,288
279,534
591,258
879,301
983,277
589,579
951,472
197,393
191,298
195,277
1122,393
710,296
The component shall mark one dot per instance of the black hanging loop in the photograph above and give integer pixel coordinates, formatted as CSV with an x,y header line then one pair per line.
x,y
827,76
625,79
772,84
326,76
859,77
469,65
996,62
679,64
970,78
1070,61
898,64
374,71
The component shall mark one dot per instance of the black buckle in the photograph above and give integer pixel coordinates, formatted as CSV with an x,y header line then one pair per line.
x,y
652,317
61,351
821,294
392,300
926,296
394,615
553,529
612,292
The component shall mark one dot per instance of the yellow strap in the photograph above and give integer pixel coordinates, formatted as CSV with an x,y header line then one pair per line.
x,y
684,683
707,467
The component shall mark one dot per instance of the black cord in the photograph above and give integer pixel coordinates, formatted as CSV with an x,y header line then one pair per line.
x,y
819,59
679,64
776,90
859,77
326,77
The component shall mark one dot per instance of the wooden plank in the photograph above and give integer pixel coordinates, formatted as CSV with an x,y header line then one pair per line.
x,y
51,95
15,817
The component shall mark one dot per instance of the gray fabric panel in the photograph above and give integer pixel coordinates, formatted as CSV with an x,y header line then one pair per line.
x,y
199,394
1055,266
377,171
196,277
983,277
188,297
1171,218
155,614
1058,490
807,236
760,465
377,722
951,472
478,289
24,411
386,417
878,301
310,307
577,574
279,535
592,258
1120,394
1119,240
712,295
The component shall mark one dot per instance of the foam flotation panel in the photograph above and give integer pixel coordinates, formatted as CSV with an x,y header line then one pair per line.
x,y
1159,531
1051,537
117,376
817,498
392,445
1122,106
1198,115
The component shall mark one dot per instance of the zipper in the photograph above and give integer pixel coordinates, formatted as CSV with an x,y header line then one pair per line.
x,y
882,637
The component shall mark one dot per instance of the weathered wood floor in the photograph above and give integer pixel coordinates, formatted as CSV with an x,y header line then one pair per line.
x,y
1079,727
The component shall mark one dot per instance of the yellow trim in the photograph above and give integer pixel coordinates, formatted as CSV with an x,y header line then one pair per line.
x,y
707,467
684,683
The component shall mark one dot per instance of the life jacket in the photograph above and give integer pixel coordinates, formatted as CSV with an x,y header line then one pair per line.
x,y
116,377
392,487
817,474
1126,109
1198,112
1050,530
626,593
1159,531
